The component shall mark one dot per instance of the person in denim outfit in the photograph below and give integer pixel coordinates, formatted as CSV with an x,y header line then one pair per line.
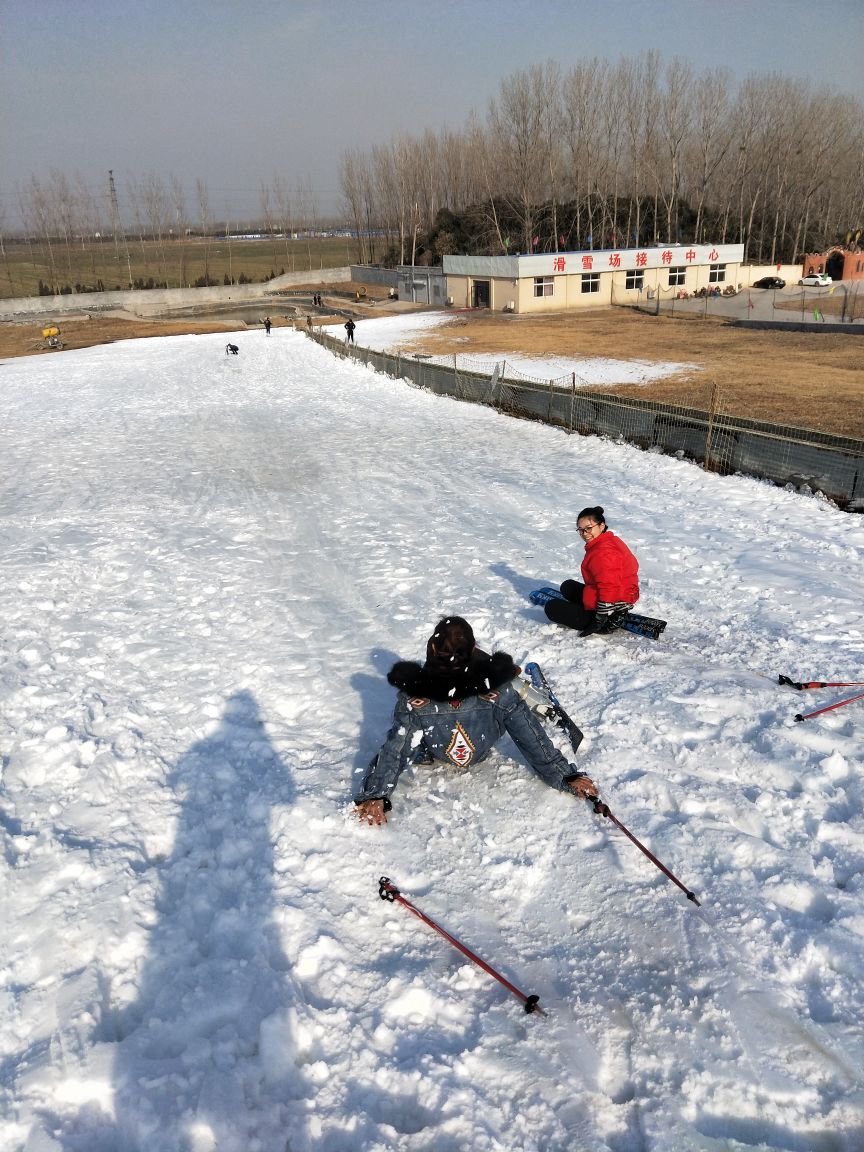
x,y
453,710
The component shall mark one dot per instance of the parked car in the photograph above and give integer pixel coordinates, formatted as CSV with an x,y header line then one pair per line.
x,y
769,282
816,280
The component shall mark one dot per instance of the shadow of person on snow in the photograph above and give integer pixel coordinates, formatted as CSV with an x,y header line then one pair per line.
x,y
522,584
201,1052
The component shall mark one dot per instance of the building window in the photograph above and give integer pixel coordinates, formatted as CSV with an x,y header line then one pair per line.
x,y
677,277
717,274
634,280
543,285
591,283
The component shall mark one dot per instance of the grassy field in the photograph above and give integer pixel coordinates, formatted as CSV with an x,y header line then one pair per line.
x,y
178,263
810,380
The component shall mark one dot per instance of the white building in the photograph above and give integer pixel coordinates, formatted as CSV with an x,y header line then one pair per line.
x,y
559,280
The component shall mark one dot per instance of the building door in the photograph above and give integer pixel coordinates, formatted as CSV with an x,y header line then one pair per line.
x,y
480,294
834,265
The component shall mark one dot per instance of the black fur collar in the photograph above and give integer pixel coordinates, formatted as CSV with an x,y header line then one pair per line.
x,y
483,674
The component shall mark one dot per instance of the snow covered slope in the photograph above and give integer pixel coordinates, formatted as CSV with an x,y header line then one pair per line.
x,y
209,564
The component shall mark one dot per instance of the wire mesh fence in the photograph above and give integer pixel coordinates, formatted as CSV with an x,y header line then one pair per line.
x,y
841,303
697,430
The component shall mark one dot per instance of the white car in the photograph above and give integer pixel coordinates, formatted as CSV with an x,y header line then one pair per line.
x,y
816,280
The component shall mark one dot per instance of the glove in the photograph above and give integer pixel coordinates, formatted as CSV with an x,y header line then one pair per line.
x,y
592,628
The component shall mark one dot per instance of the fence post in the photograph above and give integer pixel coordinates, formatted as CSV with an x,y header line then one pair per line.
x,y
712,408
501,385
496,374
572,399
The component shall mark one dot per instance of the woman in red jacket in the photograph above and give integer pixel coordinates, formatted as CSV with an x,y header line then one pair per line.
x,y
610,574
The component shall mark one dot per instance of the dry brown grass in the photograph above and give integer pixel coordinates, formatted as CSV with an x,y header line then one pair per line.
x,y
805,379
26,339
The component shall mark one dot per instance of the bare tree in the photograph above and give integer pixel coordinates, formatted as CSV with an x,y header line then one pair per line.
x,y
516,137
582,98
89,219
4,253
284,213
486,163
205,222
178,216
710,142
351,168
62,208
157,210
36,211
637,79
675,120
304,198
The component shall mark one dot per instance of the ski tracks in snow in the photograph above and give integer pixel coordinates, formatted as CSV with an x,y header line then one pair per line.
x,y
205,557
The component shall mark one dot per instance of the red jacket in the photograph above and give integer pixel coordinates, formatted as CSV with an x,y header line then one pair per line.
x,y
609,571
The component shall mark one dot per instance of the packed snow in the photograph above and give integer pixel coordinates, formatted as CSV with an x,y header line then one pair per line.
x,y
210,564
406,332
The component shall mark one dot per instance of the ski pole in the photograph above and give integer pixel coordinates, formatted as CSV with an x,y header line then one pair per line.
x,y
603,810
820,683
830,707
389,891
538,679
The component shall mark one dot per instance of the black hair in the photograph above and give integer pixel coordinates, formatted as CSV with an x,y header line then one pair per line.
x,y
595,514
451,644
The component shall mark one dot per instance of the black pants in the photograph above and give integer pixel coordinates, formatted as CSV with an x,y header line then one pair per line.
x,y
570,612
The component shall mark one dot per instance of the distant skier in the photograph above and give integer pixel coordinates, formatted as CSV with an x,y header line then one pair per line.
x,y
349,328
453,710
231,349
267,324
611,579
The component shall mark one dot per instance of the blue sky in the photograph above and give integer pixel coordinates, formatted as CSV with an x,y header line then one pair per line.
x,y
232,92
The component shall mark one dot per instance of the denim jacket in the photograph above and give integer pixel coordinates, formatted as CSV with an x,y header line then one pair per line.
x,y
462,732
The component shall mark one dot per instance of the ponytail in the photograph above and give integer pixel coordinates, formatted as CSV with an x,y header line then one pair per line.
x,y
595,514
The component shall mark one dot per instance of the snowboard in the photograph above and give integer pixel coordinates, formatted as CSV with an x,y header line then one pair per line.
x,y
630,621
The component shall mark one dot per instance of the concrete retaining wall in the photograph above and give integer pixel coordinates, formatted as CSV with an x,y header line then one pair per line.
x,y
850,329
158,300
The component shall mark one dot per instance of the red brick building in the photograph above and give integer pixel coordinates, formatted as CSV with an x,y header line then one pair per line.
x,y
838,263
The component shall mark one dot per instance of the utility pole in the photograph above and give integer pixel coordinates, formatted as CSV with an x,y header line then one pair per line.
x,y
115,222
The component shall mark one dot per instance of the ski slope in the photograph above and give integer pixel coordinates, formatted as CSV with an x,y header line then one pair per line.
x,y
210,563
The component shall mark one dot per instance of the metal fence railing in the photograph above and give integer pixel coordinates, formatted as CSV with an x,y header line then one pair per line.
x,y
720,442
840,304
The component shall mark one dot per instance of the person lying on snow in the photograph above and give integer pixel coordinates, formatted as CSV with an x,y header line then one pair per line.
x,y
611,579
454,710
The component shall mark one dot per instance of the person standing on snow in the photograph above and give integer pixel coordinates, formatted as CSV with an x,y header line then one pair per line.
x,y
349,328
268,323
454,710
611,579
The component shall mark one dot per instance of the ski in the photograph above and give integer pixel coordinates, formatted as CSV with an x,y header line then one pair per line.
x,y
559,717
648,626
